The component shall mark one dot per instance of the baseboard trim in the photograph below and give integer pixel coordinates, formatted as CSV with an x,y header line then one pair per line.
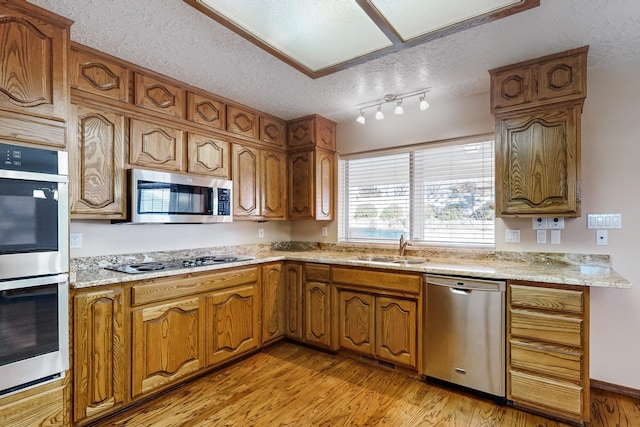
x,y
627,391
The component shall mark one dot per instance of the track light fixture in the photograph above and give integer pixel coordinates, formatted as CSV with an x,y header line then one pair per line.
x,y
399,109
379,115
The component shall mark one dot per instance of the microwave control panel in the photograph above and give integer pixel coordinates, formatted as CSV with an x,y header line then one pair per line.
x,y
224,201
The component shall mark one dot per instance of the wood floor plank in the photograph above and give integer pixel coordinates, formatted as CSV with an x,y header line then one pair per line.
x,y
291,385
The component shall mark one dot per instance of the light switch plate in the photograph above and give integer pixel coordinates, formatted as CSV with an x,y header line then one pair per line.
x,y
555,237
604,221
512,236
541,236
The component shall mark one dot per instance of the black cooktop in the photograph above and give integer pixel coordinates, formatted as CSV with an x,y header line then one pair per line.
x,y
147,267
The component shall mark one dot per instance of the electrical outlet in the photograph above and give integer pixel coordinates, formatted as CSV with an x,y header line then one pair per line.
x,y
75,240
260,232
325,231
556,223
602,237
539,223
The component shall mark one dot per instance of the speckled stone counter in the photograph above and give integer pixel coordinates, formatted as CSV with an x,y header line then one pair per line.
x,y
568,269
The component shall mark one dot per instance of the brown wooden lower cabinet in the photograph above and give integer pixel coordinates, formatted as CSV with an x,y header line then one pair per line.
x,y
45,405
167,343
548,348
293,299
379,326
99,347
273,321
233,323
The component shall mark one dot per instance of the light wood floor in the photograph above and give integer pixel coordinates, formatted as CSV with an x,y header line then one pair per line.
x,y
290,385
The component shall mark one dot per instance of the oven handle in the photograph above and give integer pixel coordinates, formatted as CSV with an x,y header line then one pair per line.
x,y
33,281
33,176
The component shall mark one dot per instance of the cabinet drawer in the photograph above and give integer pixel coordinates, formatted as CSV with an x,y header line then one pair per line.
x,y
165,288
554,328
378,279
317,273
557,361
547,298
546,393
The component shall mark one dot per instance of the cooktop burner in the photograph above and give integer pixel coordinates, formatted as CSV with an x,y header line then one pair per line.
x,y
146,267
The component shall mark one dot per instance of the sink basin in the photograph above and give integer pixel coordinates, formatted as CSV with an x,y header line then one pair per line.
x,y
409,261
392,260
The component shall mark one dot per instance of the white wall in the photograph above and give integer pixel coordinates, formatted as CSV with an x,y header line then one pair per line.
x,y
610,180
104,238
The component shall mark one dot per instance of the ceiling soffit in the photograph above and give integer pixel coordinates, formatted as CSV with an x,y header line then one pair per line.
x,y
321,38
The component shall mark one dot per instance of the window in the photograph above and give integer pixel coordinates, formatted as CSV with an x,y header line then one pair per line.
x,y
438,193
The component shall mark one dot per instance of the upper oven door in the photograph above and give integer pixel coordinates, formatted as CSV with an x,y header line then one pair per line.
x,y
34,224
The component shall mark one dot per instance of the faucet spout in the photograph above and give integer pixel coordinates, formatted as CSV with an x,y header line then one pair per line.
x,y
403,245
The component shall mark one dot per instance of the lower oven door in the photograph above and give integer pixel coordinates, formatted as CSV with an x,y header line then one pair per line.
x,y
34,330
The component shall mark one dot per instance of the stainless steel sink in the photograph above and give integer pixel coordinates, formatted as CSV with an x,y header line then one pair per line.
x,y
391,260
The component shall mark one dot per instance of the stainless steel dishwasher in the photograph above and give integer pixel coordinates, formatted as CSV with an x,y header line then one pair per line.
x,y
464,332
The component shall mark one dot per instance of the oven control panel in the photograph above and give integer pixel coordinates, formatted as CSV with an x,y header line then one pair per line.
x,y
17,158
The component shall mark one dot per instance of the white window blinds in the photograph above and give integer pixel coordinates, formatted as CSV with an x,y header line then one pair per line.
x,y
432,194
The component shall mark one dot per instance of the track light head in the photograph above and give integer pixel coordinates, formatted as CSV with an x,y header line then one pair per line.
x,y
361,118
399,109
423,103
379,115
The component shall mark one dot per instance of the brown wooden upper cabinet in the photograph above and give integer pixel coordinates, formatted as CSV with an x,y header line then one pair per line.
x,y
33,74
97,74
97,161
311,186
206,110
242,122
534,83
158,95
311,131
273,131
156,146
207,155
538,106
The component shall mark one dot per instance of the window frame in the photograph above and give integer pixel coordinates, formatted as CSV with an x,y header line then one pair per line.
x,y
343,205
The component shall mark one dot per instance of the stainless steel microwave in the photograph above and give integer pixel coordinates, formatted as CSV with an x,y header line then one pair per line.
x,y
161,197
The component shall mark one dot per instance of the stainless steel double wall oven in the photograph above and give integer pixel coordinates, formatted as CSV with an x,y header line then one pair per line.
x,y
34,263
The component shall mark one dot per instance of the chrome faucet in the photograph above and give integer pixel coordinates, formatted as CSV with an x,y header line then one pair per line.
x,y
403,245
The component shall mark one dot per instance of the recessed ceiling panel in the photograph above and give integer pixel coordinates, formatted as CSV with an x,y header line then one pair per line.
x,y
412,18
316,34
320,37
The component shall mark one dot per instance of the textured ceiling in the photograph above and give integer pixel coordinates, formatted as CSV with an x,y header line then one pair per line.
x,y
172,38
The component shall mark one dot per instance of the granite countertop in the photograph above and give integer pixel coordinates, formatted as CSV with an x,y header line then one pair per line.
x,y
583,270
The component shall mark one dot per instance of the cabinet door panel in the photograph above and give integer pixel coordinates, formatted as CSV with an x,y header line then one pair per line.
x,y
324,185
208,156
293,291
97,164
155,146
99,352
536,168
272,302
272,131
233,322
242,122
553,328
33,70
317,313
301,185
556,361
301,133
168,343
273,169
357,314
562,78
99,76
206,111
512,87
157,95
326,137
245,181
396,330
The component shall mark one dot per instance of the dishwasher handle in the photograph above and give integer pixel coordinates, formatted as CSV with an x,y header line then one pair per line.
x,y
466,283
459,291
